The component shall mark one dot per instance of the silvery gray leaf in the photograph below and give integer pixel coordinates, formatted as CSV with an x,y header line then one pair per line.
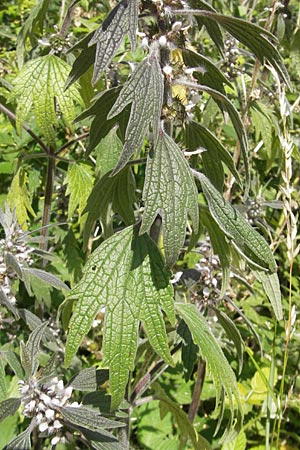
x,y
47,277
89,379
4,300
88,418
9,407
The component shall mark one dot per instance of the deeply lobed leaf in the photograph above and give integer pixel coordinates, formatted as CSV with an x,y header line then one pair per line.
x,y
144,90
126,275
38,86
170,191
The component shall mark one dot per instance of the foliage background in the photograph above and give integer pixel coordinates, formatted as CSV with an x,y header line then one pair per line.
x,y
80,153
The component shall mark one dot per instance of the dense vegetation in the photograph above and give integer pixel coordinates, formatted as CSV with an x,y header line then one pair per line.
x,y
149,249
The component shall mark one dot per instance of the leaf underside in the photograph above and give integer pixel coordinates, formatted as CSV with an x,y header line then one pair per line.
x,y
125,274
144,90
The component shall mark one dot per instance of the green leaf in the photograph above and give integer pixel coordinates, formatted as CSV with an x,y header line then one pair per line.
x,y
170,191
89,379
271,286
213,29
39,86
33,345
234,115
14,361
109,196
9,407
197,136
88,418
126,274
100,125
249,34
186,428
236,227
22,441
189,350
120,21
238,443
79,182
44,276
144,90
8,304
211,351
220,246
233,334
19,198
205,71
3,386
34,19
108,152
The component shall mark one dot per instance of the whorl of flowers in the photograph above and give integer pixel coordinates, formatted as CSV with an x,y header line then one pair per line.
x,y
14,243
43,401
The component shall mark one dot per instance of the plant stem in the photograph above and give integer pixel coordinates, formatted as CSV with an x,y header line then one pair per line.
x,y
47,202
13,117
197,390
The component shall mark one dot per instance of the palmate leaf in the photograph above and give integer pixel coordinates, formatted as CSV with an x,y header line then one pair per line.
x,y
251,244
144,90
125,274
123,19
38,86
218,365
170,191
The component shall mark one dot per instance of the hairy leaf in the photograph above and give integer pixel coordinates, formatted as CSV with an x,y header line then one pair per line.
x,y
271,286
235,119
120,21
233,334
110,196
236,227
14,361
211,351
170,191
8,304
220,246
46,277
108,152
205,71
23,440
197,136
33,345
126,274
19,198
38,87
249,34
88,418
80,183
100,125
189,350
144,90
9,407
89,379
